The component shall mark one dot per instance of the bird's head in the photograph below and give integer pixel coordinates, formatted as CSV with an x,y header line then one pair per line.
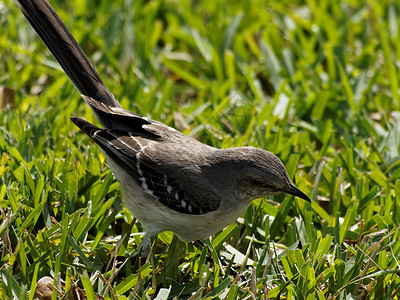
x,y
263,174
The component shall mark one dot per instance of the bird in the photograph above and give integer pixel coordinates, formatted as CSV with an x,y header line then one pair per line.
x,y
169,181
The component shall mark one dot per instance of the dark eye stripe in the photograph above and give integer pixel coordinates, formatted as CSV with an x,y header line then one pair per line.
x,y
266,186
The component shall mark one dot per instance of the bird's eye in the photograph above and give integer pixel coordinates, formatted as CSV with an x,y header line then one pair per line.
x,y
266,186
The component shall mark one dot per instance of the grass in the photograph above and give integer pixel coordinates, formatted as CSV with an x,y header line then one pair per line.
x,y
316,83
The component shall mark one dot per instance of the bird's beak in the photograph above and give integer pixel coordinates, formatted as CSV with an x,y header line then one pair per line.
x,y
296,192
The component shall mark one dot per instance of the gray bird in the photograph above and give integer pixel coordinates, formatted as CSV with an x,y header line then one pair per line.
x,y
169,181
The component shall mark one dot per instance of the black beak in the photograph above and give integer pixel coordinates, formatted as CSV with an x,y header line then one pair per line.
x,y
296,192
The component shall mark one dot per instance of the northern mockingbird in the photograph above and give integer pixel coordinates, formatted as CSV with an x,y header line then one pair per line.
x,y
169,181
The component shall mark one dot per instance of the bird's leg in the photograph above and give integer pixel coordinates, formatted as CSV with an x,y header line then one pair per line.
x,y
221,260
144,246
215,256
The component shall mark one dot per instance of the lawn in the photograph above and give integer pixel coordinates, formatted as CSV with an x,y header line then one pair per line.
x,y
314,82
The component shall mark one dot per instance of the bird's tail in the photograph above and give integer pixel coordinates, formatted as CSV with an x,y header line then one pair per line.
x,y
66,50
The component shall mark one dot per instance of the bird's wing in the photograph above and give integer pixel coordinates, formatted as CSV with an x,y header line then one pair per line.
x,y
128,150
125,120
